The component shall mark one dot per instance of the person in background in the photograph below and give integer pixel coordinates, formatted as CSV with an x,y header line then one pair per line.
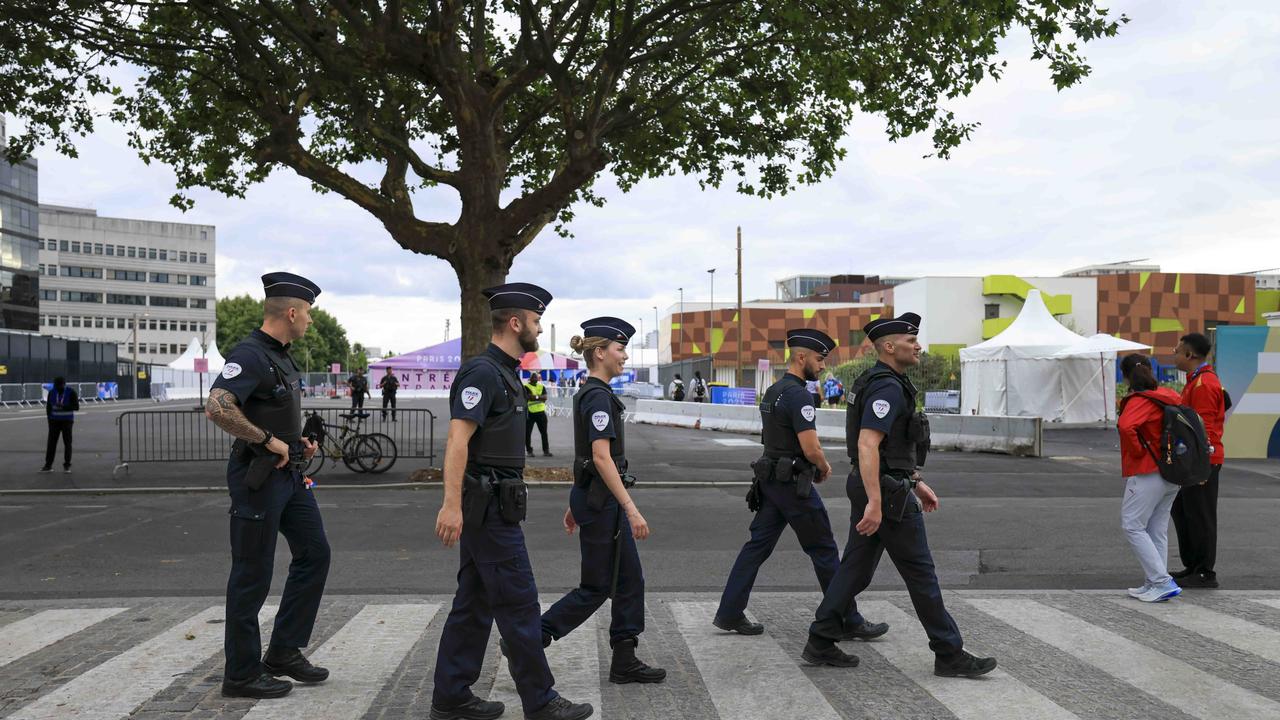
x,y
359,389
676,390
814,391
1144,512
389,385
833,389
1195,509
60,409
535,395
699,387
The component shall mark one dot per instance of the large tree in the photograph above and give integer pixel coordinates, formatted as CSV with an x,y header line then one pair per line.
x,y
324,343
517,105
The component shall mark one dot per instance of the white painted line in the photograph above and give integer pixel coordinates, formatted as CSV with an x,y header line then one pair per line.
x,y
737,442
575,664
361,657
998,696
117,687
749,678
25,636
1269,602
1226,629
1192,691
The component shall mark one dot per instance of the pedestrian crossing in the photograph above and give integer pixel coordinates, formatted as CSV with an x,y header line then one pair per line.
x,y
1064,655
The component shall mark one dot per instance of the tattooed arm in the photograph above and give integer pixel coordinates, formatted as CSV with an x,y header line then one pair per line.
x,y
224,410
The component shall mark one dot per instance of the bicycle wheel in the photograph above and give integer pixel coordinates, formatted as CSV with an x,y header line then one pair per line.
x,y
380,455
352,449
315,464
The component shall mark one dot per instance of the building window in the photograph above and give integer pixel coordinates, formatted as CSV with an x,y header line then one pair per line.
x,y
164,255
75,246
204,259
131,275
182,256
117,299
111,323
64,321
62,246
51,295
204,235
202,327
41,268
97,322
111,251
97,248
159,277
992,311
133,251
199,304
53,270
151,324
81,272
151,253
77,296
182,279
75,321
200,280
168,302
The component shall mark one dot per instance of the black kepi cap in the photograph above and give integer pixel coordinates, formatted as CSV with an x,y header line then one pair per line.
x,y
525,296
283,284
904,324
609,328
811,339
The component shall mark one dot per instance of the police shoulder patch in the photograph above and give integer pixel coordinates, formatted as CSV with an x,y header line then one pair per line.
x,y
600,419
471,397
880,408
231,370
807,413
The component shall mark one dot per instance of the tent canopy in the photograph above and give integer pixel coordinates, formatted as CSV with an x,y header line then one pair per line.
x,y
187,360
547,360
1101,344
1035,333
444,356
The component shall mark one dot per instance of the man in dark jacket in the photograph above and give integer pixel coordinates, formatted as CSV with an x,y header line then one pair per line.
x,y
60,408
389,384
359,389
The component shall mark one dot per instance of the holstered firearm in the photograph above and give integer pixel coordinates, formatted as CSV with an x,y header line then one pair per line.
x,y
798,471
918,432
476,491
261,462
762,471
895,495
586,477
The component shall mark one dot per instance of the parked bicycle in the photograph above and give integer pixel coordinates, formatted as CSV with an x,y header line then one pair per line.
x,y
360,451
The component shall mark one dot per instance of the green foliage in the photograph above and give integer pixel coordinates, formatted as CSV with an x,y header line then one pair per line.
x,y
935,372
324,343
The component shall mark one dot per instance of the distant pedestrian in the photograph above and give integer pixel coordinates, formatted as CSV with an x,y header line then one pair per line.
x,y
60,409
389,385
1144,512
834,390
535,396
1195,509
813,388
699,387
359,389
676,390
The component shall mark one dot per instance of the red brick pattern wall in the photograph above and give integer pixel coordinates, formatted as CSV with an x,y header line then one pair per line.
x,y
770,325
1127,306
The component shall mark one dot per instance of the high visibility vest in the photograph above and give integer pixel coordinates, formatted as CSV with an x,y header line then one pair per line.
x,y
537,397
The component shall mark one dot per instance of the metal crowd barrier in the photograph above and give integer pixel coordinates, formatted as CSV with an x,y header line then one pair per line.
x,y
147,436
33,394
12,394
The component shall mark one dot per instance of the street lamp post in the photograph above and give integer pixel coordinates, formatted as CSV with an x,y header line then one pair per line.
x,y
680,335
657,332
641,332
711,319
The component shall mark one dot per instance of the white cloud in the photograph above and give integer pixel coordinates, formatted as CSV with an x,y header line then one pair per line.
x,y
1167,151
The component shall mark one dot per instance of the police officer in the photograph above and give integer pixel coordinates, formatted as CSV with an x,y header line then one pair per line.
x,y
258,399
484,502
359,389
887,439
783,493
389,384
535,394
597,504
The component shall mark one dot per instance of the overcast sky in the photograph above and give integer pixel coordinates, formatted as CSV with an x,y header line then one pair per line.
x,y
1169,151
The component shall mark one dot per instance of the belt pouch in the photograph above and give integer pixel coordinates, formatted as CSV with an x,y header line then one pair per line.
x,y
513,500
802,472
259,470
894,494
475,500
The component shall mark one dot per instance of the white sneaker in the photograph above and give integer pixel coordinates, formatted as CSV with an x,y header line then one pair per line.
x,y
1160,593
1137,592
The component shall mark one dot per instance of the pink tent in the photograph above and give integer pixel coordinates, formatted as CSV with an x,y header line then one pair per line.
x,y
548,361
427,369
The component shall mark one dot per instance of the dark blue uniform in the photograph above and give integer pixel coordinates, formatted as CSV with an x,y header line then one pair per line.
x,y
598,414
886,403
495,579
266,382
786,411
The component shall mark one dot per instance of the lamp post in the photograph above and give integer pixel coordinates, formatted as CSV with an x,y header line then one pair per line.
x,y
657,332
135,353
641,332
711,315
680,335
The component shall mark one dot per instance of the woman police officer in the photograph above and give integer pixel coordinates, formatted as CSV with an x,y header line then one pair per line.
x,y
597,504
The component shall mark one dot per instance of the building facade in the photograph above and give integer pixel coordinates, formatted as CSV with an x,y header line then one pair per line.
x,y
99,273
19,238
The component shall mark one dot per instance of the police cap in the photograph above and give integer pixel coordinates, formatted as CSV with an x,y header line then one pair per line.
x,y
904,324
283,284
811,339
610,328
525,296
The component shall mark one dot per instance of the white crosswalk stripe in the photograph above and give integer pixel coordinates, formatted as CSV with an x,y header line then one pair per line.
x,y
1193,691
1228,629
118,686
21,638
999,697
360,656
575,664
375,652
748,677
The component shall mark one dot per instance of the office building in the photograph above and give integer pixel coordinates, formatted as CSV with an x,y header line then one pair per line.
x,y
19,236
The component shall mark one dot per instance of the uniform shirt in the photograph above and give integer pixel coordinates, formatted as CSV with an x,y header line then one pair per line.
x,y
481,388
1141,418
597,408
1203,393
794,409
247,373
389,384
883,403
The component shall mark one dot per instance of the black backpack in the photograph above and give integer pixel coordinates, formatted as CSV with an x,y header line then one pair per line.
x,y
1182,453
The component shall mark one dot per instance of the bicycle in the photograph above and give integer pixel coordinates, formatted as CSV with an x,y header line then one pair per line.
x,y
361,452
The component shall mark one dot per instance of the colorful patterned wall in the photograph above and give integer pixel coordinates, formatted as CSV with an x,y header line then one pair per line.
x,y
1159,308
1248,361
766,332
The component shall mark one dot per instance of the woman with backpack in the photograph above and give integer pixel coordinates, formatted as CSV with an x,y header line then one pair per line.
x,y
1144,512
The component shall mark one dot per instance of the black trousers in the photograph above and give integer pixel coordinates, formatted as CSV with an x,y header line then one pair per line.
x,y
282,506
389,398
539,419
59,428
1195,519
357,401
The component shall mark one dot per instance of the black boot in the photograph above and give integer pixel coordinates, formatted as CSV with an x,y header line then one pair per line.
x,y
962,664
561,709
263,686
626,668
290,661
473,709
821,651
742,626
865,631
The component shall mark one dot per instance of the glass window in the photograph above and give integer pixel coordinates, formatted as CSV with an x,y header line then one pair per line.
x,y
49,295
111,323
199,304
41,268
204,258
97,322
75,321
200,280
164,255
75,246
151,324
111,251
992,311
133,251
151,253
159,301
78,296
204,234
202,327
97,248
117,299
159,277
53,269
64,321
62,245
182,279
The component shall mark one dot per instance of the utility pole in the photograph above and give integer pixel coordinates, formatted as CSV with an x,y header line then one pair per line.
x,y
135,356
680,335
741,320
657,333
446,329
553,337
642,343
711,320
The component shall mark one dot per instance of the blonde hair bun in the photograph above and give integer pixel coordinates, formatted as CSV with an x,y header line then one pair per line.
x,y
576,343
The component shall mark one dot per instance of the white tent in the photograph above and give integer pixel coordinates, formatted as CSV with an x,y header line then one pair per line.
x,y
1103,347
187,360
1020,372
216,361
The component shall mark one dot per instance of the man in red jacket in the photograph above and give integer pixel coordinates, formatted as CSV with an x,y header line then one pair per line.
x,y
1195,510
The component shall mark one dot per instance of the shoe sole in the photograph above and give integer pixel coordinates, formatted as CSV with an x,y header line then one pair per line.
x,y
580,716
289,674
256,696
864,636
1171,594
732,629
815,660
974,674
450,715
628,679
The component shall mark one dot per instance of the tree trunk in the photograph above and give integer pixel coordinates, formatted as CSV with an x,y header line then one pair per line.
x,y
480,263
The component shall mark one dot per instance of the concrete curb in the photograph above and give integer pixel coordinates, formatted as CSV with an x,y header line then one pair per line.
x,y
379,486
